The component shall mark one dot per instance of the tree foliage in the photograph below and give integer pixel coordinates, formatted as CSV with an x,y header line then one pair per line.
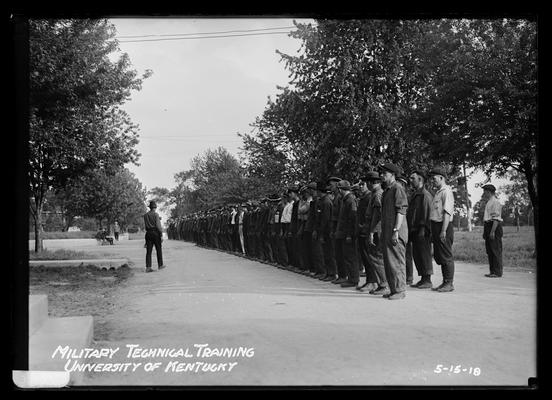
x,y
106,196
76,90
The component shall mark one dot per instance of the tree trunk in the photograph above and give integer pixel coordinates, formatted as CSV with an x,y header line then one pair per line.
x,y
467,197
530,175
38,227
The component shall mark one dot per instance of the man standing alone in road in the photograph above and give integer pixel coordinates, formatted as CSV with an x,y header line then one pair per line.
x,y
154,233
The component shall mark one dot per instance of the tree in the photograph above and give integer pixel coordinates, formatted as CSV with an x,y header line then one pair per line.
x,y
482,106
76,90
107,197
518,204
345,109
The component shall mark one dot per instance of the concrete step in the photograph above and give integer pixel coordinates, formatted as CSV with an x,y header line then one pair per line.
x,y
38,312
74,332
102,263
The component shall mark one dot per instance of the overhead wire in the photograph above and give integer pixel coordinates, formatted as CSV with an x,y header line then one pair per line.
x,y
203,37
204,33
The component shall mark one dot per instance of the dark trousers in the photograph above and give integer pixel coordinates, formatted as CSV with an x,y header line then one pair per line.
x,y
409,263
350,260
283,259
494,247
328,250
306,251
442,251
338,248
116,235
153,238
375,261
318,263
365,257
421,252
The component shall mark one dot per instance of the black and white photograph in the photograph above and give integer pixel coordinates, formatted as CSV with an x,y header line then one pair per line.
x,y
276,201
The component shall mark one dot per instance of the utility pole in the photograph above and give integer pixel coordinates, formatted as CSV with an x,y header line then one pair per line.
x,y
467,197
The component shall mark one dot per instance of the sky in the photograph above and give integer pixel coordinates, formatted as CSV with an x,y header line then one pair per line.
x,y
204,91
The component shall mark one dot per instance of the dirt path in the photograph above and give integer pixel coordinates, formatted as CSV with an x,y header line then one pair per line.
x,y
307,332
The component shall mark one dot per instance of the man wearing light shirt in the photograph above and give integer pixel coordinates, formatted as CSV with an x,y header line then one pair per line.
x,y
442,209
492,231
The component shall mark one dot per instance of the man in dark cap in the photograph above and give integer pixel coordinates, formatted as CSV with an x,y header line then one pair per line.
x,y
338,256
492,231
442,209
394,230
154,232
364,195
419,225
373,221
345,234
323,230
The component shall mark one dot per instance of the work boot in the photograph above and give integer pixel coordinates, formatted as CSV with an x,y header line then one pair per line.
x,y
339,281
369,287
162,266
438,287
149,270
424,285
382,290
447,287
397,296
329,278
347,284
492,276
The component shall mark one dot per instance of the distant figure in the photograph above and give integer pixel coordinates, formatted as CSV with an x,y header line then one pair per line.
x,y
154,233
116,230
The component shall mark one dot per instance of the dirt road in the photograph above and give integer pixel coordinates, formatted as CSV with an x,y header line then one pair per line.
x,y
294,330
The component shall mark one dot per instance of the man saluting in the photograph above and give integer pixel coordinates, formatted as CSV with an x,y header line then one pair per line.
x,y
154,233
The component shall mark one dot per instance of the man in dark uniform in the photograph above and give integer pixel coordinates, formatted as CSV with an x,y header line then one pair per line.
x,y
364,230
154,233
419,226
338,249
345,234
323,230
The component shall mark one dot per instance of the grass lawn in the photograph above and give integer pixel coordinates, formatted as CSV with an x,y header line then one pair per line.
x,y
77,291
517,247
65,235
64,254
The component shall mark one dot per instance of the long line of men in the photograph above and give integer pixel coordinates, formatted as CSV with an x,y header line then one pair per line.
x,y
338,232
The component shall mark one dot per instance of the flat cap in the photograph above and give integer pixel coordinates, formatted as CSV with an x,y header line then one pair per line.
x,y
371,176
401,178
391,168
152,204
274,197
343,184
334,179
420,172
438,171
490,187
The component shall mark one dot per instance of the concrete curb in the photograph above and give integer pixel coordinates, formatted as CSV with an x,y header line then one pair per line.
x,y
105,264
47,334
